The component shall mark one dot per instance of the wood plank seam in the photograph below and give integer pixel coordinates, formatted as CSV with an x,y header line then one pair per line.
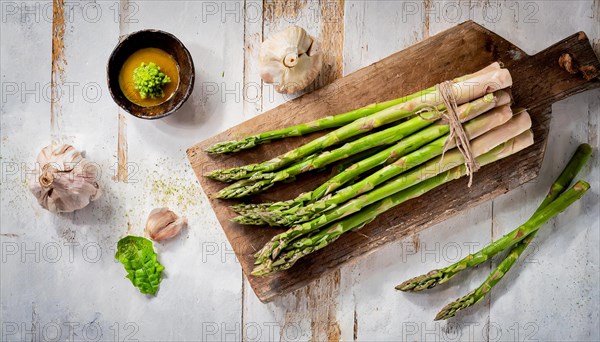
x,y
59,61
122,168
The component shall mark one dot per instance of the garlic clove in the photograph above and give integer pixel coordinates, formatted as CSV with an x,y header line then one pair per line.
x,y
68,181
164,224
290,59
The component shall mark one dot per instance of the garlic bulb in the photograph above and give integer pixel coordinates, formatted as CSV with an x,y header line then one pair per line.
x,y
164,224
290,59
68,181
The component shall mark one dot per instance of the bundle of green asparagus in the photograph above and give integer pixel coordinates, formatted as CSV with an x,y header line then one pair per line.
x,y
279,244
388,136
466,89
393,151
298,214
326,122
557,200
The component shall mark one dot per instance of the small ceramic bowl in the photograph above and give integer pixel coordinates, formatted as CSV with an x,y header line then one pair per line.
x,y
166,42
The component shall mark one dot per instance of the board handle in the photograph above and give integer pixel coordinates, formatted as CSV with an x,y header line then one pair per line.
x,y
568,67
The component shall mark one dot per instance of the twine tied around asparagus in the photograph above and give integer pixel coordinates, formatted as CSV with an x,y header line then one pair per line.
x,y
457,132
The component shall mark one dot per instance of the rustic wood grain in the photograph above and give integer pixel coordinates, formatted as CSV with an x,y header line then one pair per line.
x,y
539,81
122,172
59,61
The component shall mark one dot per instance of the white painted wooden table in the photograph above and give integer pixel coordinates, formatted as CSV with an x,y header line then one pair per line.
x,y
59,280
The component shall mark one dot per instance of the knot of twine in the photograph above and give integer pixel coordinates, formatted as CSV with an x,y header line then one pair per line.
x,y
457,132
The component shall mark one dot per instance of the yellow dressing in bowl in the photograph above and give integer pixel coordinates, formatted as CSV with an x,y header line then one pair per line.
x,y
167,65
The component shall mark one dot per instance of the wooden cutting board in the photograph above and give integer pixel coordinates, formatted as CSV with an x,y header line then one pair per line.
x,y
538,81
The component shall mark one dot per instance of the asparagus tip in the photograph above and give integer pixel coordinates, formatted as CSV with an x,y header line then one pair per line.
x,y
261,270
422,282
443,315
247,220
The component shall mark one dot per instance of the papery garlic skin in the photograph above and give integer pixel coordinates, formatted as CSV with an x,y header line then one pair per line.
x,y
290,59
67,182
164,224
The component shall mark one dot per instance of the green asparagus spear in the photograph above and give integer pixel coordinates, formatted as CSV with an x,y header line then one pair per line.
x,y
346,163
251,213
477,87
479,293
324,123
282,213
578,160
326,236
359,126
384,137
263,181
247,208
441,276
576,163
519,123
481,145
310,127
250,209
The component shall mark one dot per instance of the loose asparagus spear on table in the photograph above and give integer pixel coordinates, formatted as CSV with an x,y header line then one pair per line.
x,y
334,121
440,276
324,237
578,160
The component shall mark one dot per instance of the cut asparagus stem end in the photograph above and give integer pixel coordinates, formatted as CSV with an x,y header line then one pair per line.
x,y
485,123
479,146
